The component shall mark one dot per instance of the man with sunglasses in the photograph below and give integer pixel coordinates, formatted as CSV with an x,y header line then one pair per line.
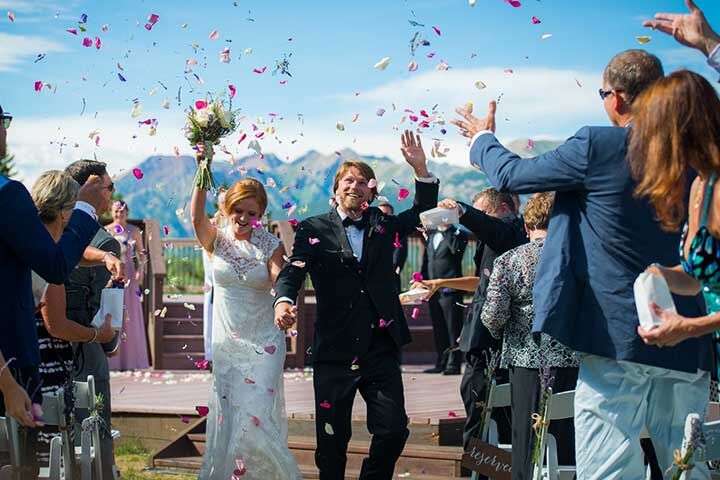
x,y
600,238
26,245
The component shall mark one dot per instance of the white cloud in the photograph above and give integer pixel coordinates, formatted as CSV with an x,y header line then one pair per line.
x,y
535,103
15,49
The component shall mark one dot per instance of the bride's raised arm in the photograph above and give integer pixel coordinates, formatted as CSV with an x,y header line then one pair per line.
x,y
205,231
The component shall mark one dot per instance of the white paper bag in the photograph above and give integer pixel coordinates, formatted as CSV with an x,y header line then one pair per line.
x,y
112,301
414,296
651,288
439,216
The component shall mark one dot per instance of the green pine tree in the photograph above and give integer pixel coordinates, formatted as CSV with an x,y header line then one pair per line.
x,y
7,166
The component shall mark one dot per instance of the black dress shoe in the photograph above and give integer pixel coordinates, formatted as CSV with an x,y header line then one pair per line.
x,y
451,371
433,370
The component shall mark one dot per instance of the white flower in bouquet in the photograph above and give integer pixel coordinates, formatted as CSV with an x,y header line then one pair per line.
x,y
202,117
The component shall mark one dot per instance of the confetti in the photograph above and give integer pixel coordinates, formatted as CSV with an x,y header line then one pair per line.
x,y
270,349
260,70
137,173
403,194
329,430
417,277
340,126
203,364
189,306
436,30
313,241
151,21
202,410
120,76
472,2
214,35
643,39
509,71
372,183
530,144
233,91
415,313
98,43
480,85
452,414
535,20
382,64
87,42
72,31
397,243
514,3
249,381
38,86
380,112
225,55
11,17
256,421
412,66
185,419
546,36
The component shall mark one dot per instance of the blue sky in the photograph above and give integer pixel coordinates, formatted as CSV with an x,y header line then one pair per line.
x,y
334,46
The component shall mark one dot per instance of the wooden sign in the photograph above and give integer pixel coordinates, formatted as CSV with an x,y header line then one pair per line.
x,y
487,460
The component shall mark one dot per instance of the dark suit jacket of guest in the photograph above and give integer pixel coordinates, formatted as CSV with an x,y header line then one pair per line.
x,y
83,291
495,236
344,287
445,261
599,240
26,245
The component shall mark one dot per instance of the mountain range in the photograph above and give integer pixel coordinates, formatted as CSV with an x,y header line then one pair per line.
x,y
163,192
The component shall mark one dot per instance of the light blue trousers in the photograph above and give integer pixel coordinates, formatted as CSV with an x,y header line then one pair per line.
x,y
614,400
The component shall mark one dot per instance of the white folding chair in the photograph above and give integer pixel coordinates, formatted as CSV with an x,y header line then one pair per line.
x,y
89,452
7,446
559,406
498,397
53,407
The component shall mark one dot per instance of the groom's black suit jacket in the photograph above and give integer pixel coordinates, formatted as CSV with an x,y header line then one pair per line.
x,y
352,295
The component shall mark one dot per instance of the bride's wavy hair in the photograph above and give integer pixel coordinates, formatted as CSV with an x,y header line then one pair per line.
x,y
675,128
243,189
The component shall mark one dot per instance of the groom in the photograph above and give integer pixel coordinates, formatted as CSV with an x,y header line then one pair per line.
x,y
359,327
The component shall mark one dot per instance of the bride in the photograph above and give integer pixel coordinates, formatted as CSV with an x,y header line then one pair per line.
x,y
246,426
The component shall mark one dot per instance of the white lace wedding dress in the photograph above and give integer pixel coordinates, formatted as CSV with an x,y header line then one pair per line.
x,y
246,426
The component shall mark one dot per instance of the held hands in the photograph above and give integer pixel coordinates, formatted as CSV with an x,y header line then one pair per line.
x,y
200,153
285,315
690,29
673,329
414,154
472,125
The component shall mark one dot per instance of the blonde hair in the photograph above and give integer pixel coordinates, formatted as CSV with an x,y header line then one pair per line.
x,y
52,193
243,189
538,210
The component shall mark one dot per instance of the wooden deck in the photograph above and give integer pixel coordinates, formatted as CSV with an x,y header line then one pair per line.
x,y
428,397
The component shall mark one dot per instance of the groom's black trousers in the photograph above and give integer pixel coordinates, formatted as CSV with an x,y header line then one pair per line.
x,y
379,381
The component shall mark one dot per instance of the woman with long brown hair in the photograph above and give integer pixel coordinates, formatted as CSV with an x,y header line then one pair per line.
x,y
676,134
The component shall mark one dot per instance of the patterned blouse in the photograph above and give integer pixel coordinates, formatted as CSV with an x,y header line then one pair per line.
x,y
508,312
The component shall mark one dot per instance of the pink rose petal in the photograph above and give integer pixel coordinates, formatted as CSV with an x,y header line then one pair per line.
x,y
242,137
293,222
138,173
412,66
325,404
260,70
415,313
87,42
270,349
185,419
202,410
249,381
200,104
313,241
233,91
166,229
536,20
214,35
437,31
514,3
403,194
98,43
11,17
38,86
397,243
417,277
256,421
72,31
452,414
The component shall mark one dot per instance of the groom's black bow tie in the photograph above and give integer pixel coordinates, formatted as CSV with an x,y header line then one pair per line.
x,y
360,223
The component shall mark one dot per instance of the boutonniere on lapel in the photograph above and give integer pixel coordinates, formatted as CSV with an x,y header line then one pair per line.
x,y
377,225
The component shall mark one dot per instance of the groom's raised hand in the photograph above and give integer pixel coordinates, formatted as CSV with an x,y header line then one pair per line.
x,y
412,149
285,315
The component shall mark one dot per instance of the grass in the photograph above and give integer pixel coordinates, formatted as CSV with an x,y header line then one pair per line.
x,y
132,458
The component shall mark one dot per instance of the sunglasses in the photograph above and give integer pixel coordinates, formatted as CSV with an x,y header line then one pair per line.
x,y
606,93
6,120
110,187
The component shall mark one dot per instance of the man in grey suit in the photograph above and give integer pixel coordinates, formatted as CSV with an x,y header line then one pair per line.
x,y
83,291
600,238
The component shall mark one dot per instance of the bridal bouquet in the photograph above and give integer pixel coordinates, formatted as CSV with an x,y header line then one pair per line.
x,y
207,123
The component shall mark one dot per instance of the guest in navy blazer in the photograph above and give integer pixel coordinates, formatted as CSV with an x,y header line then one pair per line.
x,y
26,245
599,239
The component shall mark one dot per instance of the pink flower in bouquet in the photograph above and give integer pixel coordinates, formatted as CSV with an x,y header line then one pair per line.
x,y
200,104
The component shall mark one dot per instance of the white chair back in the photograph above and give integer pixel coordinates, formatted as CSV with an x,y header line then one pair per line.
x,y
53,407
89,456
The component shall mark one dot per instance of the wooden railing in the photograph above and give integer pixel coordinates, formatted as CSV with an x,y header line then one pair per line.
x,y
155,276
